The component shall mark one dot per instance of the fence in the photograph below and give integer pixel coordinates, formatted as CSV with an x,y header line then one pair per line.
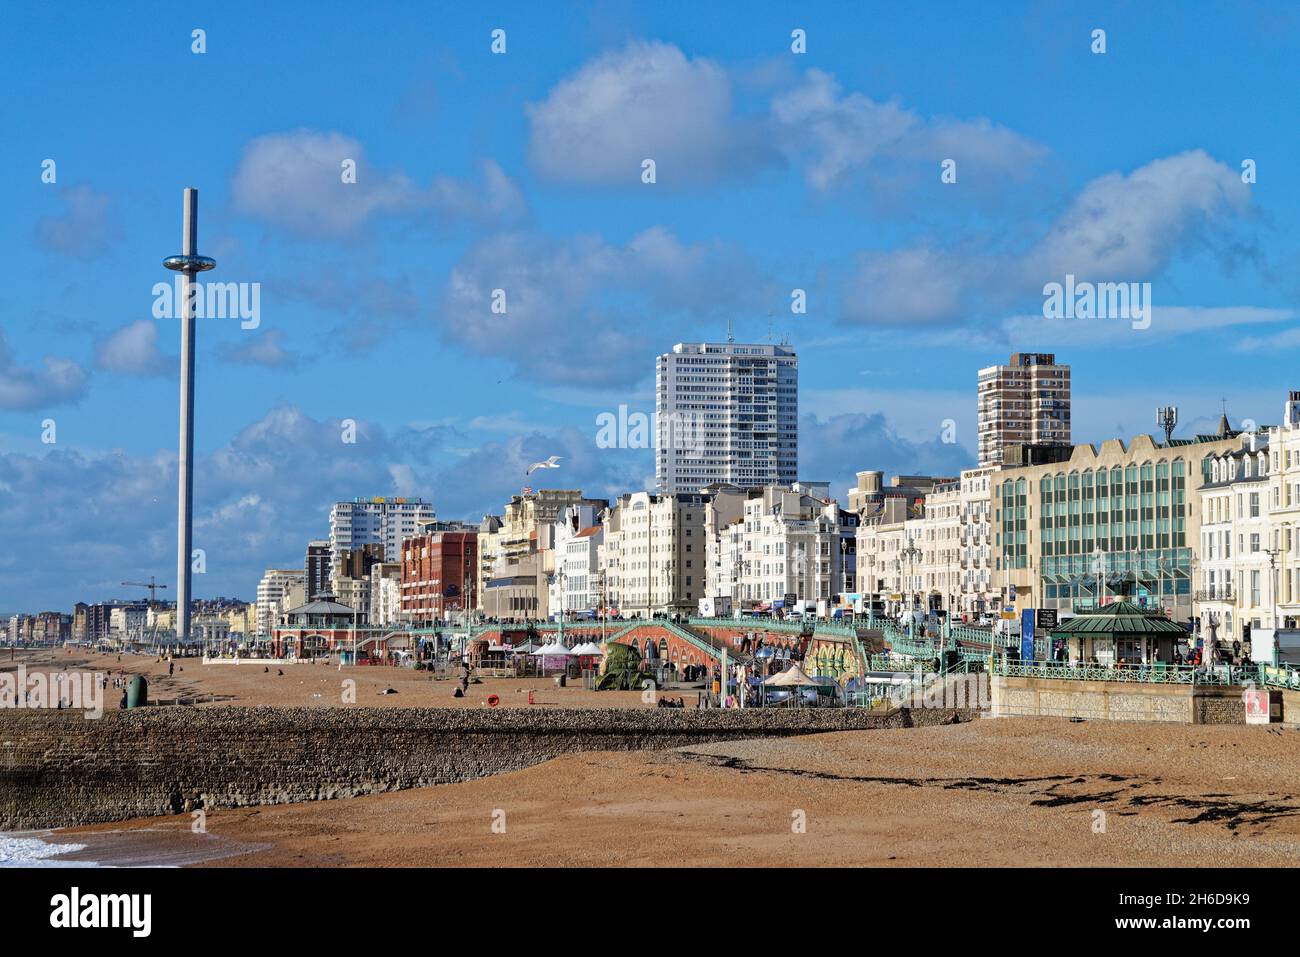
x,y
1157,673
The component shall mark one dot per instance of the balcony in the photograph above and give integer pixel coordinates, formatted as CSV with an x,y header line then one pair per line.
x,y
1217,593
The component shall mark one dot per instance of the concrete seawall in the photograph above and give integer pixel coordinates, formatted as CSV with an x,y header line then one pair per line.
x,y
59,769
1118,701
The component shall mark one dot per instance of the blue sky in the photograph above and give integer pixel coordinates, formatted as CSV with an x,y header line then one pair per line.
x,y
775,171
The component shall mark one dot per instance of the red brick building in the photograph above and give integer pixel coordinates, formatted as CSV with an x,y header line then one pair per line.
x,y
439,575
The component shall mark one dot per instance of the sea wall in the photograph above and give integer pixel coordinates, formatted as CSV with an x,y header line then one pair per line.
x,y
58,768
1117,701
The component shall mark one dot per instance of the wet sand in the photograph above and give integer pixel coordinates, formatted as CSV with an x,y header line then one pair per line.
x,y
1015,792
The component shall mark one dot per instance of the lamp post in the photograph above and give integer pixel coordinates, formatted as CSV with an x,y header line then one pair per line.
x,y
911,553
1272,585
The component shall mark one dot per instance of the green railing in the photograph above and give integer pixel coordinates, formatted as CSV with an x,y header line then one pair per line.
x,y
1146,674
1283,676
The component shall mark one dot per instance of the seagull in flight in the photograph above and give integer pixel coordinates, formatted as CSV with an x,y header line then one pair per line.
x,y
552,463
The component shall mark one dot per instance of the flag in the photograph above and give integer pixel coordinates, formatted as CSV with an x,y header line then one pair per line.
x,y
527,490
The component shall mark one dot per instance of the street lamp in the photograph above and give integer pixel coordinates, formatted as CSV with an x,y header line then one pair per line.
x,y
911,553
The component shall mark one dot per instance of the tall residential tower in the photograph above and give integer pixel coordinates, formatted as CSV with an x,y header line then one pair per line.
x,y
1026,402
726,412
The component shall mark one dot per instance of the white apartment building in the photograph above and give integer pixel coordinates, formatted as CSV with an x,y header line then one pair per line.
x,y
655,554
127,622
726,413
1284,513
975,542
790,540
1026,401
385,606
938,535
575,585
1235,591
375,521
273,586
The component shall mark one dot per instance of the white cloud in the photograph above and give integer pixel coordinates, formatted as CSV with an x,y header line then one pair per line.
x,y
133,350
841,135
295,179
61,381
645,101
1126,228
84,229
1119,228
587,313
263,349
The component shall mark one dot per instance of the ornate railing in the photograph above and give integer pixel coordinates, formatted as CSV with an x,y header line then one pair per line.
x,y
1145,674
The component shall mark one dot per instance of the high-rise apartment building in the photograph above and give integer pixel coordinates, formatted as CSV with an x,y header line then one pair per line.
x,y
726,413
275,584
375,521
318,568
1026,402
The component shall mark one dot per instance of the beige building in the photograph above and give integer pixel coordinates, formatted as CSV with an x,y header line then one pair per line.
x,y
1122,518
517,556
938,534
655,556
1026,402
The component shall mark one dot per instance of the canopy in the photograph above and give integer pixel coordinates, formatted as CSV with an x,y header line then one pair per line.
x,y
526,649
1119,618
553,650
588,648
792,676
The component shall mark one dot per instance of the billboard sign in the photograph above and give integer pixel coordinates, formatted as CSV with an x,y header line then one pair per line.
x,y
1027,635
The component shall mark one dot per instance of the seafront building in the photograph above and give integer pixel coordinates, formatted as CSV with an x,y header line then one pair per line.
x,y
975,542
790,543
575,587
1025,402
656,554
726,413
275,584
1284,513
438,575
1122,518
382,521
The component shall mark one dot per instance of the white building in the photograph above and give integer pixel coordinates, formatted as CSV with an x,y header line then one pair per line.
x,y
1284,513
575,585
789,540
726,413
375,521
275,583
385,603
128,622
655,554
940,542
975,543
1235,591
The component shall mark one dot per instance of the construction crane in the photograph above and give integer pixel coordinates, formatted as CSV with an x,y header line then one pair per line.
x,y
153,587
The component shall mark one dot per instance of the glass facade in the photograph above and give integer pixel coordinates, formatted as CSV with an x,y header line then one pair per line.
x,y
1104,530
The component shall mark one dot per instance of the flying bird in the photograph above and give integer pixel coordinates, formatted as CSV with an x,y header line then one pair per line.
x,y
552,463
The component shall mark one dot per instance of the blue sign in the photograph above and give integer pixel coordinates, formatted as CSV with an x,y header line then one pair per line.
x,y
1027,634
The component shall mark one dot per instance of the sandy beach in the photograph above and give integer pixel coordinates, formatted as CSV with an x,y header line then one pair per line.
x,y
252,683
988,793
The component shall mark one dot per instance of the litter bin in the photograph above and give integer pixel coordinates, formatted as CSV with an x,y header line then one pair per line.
x,y
137,692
